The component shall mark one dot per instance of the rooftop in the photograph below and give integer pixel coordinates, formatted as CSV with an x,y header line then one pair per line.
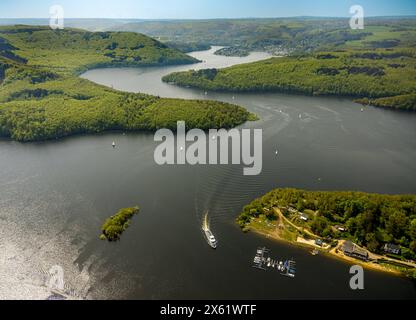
x,y
352,248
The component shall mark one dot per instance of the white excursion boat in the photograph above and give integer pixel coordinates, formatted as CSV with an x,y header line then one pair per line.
x,y
208,234
211,239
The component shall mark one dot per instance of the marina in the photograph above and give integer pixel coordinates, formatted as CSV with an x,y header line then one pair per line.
x,y
263,261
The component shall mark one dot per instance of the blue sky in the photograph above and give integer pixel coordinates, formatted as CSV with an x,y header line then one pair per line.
x,y
202,9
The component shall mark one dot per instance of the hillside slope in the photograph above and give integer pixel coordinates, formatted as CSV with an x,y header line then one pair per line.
x,y
287,35
383,77
42,98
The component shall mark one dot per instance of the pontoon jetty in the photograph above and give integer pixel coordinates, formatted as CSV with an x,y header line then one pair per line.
x,y
263,261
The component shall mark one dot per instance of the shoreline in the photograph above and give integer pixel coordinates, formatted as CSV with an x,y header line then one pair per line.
x,y
331,254
275,234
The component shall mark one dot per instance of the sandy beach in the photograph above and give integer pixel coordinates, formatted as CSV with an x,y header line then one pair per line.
x,y
277,231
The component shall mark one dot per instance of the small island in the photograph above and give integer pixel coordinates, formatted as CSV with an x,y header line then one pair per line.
x,y
373,230
233,52
114,227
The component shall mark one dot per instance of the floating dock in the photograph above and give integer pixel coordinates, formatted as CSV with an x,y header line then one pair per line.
x,y
259,259
263,261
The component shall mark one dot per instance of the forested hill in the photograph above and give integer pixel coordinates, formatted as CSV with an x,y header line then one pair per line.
x,y
382,77
41,96
72,49
302,34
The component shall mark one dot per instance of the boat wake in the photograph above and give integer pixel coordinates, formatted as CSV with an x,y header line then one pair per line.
x,y
205,223
208,234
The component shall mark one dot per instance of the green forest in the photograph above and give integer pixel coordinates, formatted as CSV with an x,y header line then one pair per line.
x,y
370,220
275,35
42,97
316,57
287,35
73,50
232,52
382,77
188,47
114,226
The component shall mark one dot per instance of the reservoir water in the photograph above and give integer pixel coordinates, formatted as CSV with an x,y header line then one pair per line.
x,y
54,197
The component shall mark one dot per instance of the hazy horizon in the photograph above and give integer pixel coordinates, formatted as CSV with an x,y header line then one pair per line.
x,y
203,9
220,18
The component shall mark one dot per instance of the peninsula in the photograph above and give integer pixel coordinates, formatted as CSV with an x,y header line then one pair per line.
x,y
42,97
374,66
377,231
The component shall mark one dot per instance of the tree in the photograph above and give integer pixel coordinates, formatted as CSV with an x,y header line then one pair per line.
x,y
412,229
413,246
396,223
372,244
319,224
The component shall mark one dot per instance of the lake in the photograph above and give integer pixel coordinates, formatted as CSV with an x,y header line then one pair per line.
x,y
56,195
